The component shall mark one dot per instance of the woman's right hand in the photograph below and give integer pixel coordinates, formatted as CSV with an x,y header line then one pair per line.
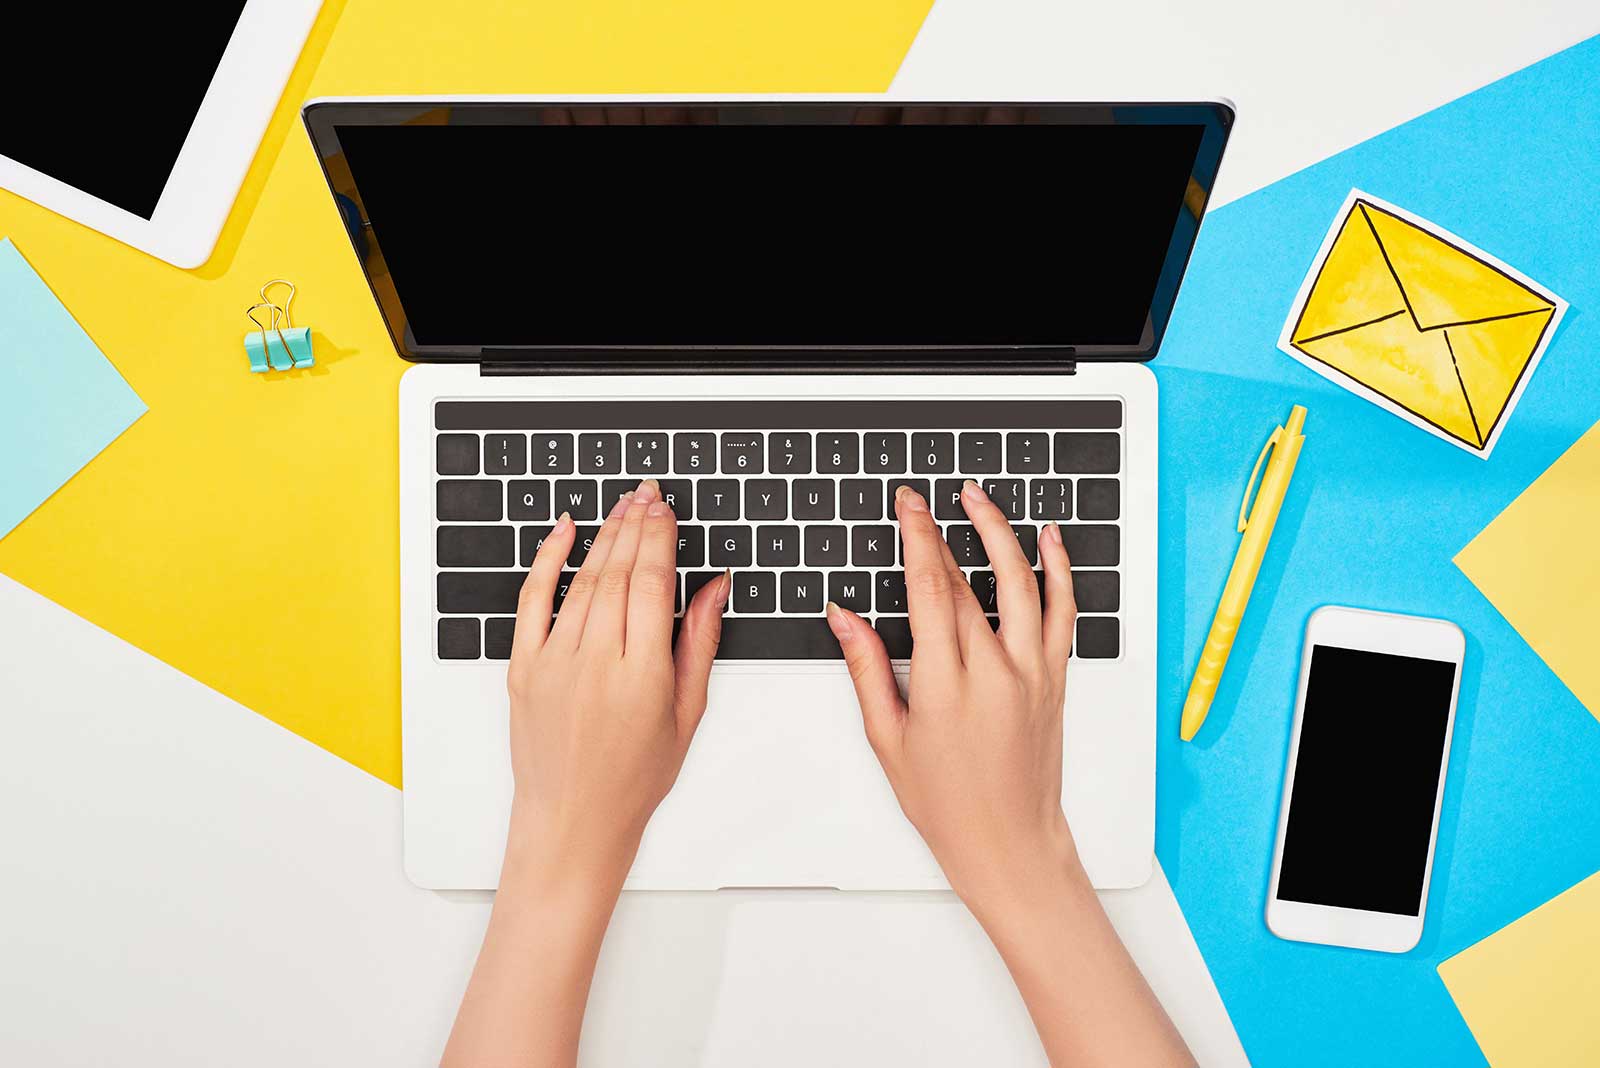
x,y
974,753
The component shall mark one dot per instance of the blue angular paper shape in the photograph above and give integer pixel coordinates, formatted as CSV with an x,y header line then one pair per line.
x,y
1374,516
61,401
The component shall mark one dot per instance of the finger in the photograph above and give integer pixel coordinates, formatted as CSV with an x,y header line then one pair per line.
x,y
655,583
535,602
1017,591
883,711
933,611
574,612
608,608
697,649
1060,609
973,634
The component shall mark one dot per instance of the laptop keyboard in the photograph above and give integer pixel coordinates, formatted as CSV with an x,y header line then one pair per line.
x,y
797,499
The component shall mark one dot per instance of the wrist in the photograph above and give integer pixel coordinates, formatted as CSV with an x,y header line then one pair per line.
x,y
545,859
1043,879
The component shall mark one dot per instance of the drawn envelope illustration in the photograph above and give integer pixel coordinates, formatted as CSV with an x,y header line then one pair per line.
x,y
1420,322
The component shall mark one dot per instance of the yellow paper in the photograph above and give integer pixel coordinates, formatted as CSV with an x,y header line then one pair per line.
x,y
1420,322
1531,991
246,530
1537,564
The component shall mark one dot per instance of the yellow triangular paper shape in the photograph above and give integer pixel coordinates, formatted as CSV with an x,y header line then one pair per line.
x,y
1491,357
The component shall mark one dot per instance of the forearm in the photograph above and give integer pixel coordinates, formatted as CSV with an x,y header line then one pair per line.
x,y
1089,1003
524,1004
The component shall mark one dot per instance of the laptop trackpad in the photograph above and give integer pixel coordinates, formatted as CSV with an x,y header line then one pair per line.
x,y
781,789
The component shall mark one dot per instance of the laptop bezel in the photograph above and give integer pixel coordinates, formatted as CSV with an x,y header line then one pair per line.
x,y
322,118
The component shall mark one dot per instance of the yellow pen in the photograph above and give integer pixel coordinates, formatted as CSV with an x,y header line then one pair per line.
x,y
1284,445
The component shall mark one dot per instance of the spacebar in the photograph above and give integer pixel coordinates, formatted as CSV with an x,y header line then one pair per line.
x,y
806,638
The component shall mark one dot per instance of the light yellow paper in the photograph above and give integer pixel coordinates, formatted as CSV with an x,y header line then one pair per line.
x,y
245,530
1531,991
1538,565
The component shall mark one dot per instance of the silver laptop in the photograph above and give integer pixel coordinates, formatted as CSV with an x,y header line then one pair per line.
x,y
781,309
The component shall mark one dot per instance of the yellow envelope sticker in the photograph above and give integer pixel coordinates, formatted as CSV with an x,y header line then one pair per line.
x,y
1420,322
1529,991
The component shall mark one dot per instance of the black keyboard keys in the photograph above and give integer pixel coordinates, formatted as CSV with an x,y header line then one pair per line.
x,y
890,592
1028,452
947,498
755,592
580,496
766,498
965,545
1090,454
1097,591
860,498
1099,498
530,541
646,455
1098,638
475,546
851,589
695,581
551,454
478,592
505,454
730,546
893,486
497,637
458,639
600,454
838,453
717,498
741,454
691,546
527,498
1010,495
1051,498
813,498
456,454
778,546
800,591
582,541
826,546
694,453
980,454
1092,545
679,493
789,454
872,546
467,500
883,453
933,453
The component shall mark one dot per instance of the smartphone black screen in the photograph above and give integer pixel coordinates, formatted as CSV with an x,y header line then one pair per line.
x,y
1361,812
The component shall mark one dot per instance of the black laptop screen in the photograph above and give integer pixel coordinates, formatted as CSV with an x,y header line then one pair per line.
x,y
748,227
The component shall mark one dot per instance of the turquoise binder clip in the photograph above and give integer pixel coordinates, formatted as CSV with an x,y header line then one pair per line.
x,y
277,344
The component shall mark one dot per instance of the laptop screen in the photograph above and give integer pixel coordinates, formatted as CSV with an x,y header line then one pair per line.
x,y
506,227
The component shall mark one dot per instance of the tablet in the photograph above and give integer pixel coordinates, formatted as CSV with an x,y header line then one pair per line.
x,y
140,120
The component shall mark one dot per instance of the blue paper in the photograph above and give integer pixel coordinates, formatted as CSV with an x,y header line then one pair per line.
x,y
1375,513
61,401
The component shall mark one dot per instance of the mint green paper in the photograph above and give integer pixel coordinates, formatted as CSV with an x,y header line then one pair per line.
x,y
61,401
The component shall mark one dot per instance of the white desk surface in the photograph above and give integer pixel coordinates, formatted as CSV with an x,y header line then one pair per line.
x,y
184,883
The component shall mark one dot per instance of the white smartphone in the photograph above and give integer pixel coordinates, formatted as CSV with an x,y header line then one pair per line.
x,y
1367,761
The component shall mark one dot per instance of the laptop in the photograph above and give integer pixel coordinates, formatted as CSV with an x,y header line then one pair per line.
x,y
782,309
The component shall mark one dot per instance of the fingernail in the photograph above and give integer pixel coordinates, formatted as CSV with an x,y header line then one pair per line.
x,y
838,622
621,506
658,509
562,523
1053,532
649,490
727,588
973,490
911,499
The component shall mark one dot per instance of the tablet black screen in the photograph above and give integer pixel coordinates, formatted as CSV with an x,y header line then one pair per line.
x,y
101,97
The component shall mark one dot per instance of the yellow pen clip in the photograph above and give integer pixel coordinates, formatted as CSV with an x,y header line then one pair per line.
x,y
1249,489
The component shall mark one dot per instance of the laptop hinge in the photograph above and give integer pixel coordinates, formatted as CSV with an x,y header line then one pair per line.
x,y
724,362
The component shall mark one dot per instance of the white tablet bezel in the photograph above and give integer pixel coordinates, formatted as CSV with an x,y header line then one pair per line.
x,y
1379,632
215,155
